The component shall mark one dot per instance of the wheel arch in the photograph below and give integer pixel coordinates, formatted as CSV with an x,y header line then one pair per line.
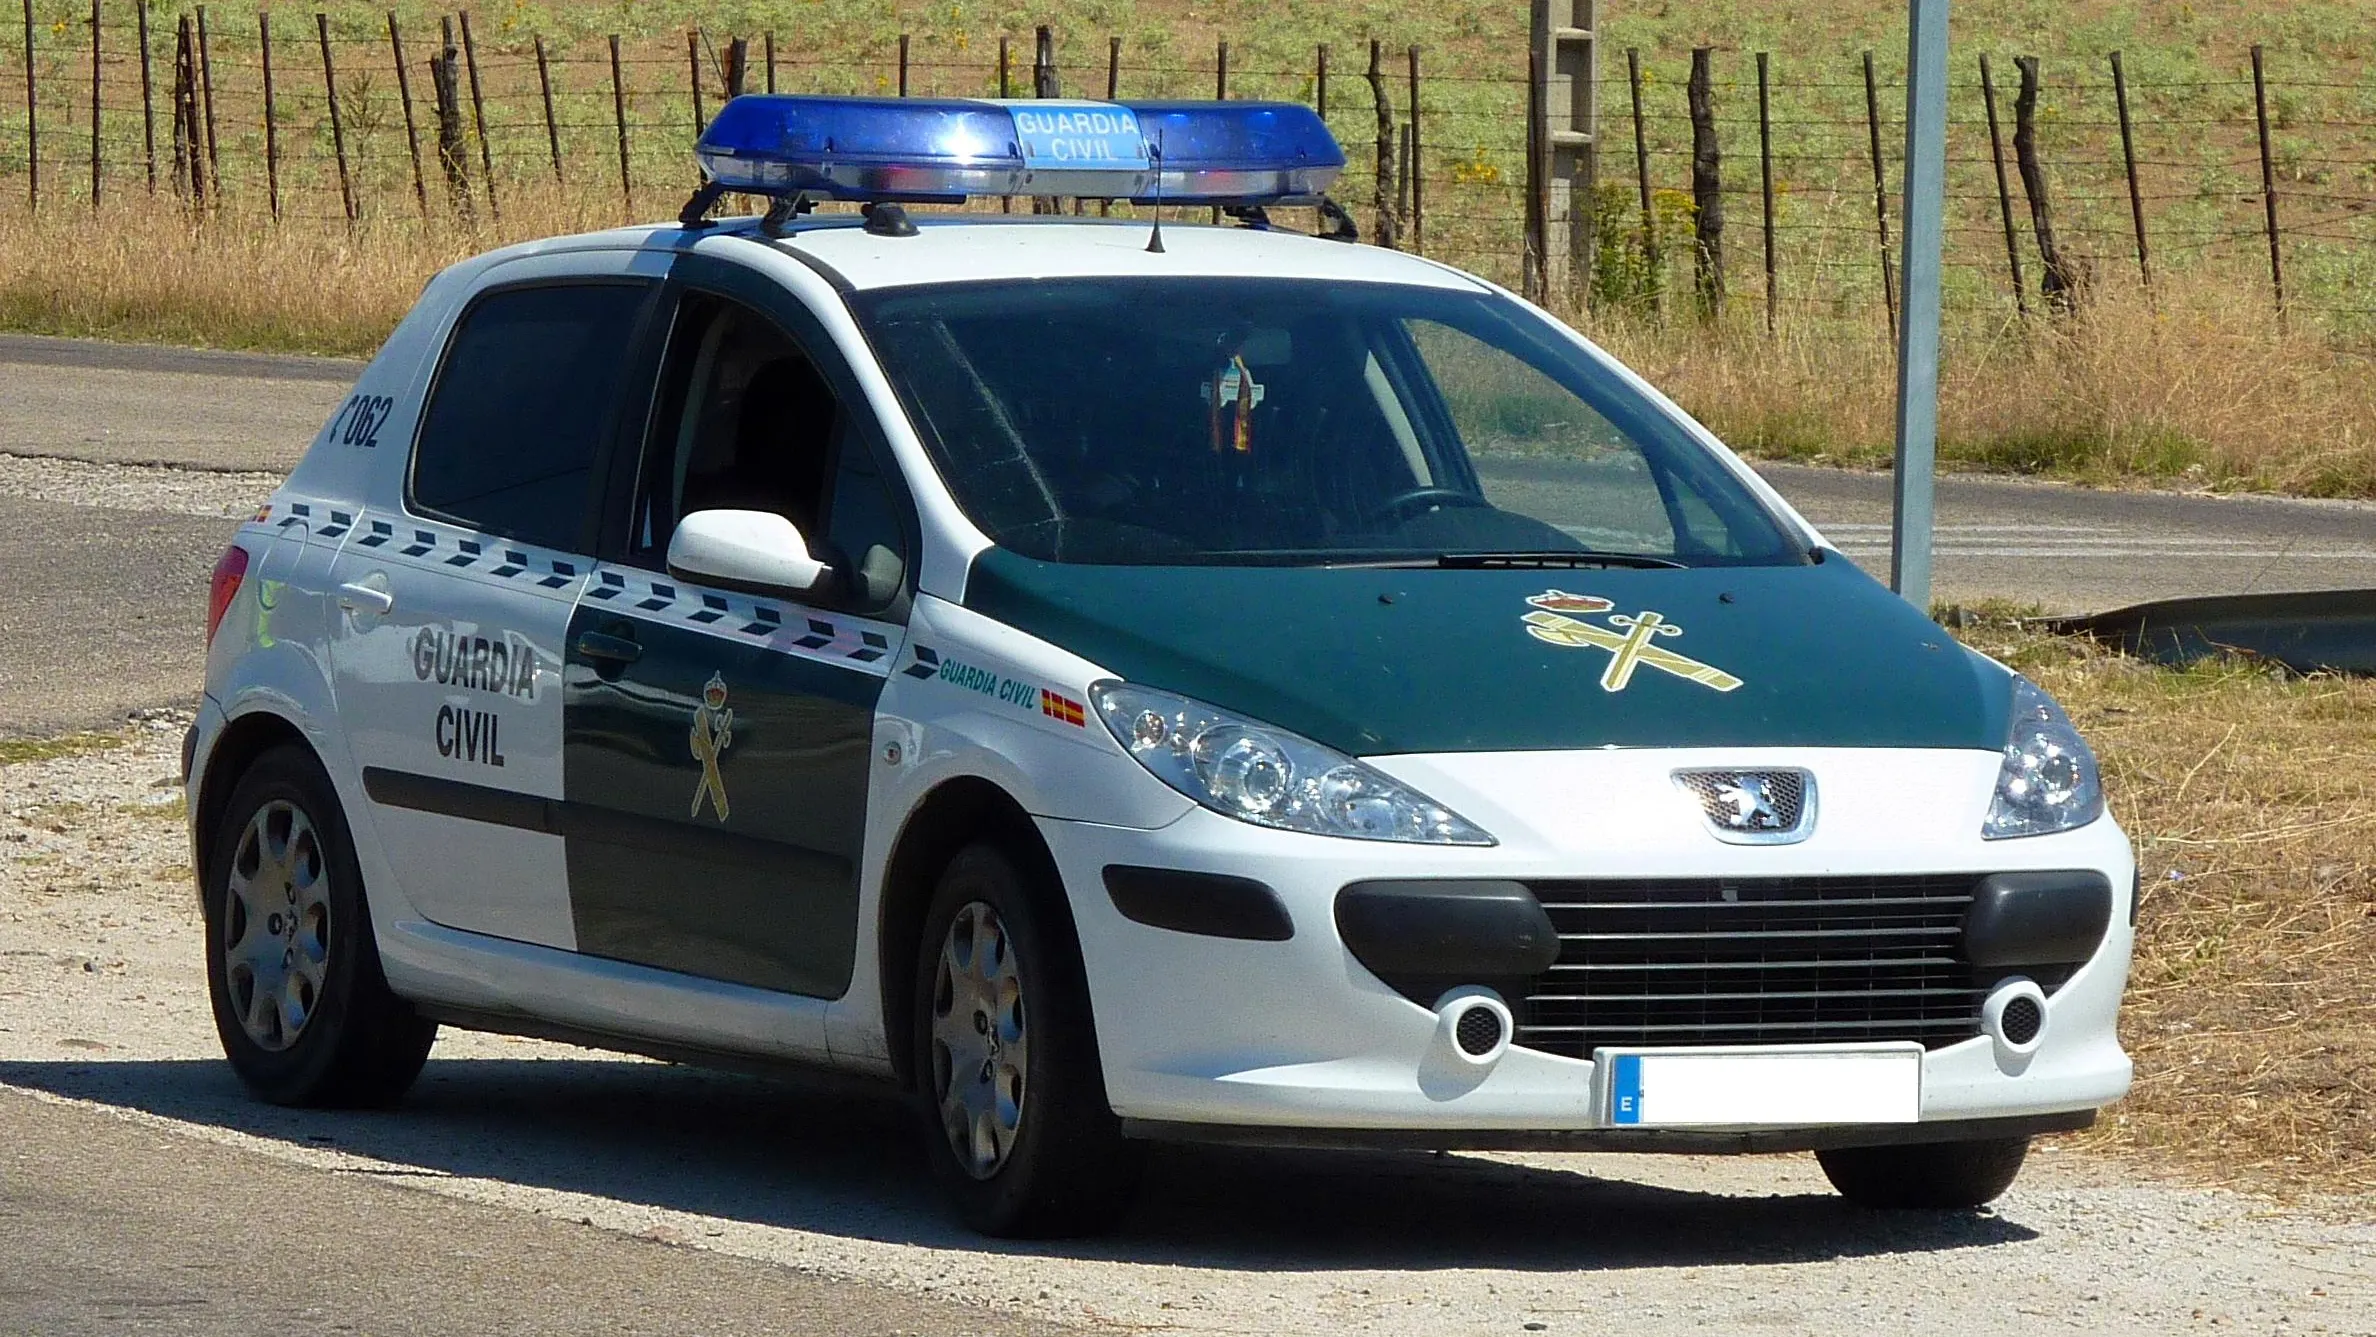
x,y
958,812
244,738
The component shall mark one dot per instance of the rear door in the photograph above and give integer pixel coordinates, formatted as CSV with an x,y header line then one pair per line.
x,y
718,743
455,599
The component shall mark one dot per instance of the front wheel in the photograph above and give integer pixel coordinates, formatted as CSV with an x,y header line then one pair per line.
x,y
1926,1174
305,1016
1018,1127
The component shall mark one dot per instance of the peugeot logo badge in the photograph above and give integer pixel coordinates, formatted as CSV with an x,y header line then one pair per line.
x,y
1754,807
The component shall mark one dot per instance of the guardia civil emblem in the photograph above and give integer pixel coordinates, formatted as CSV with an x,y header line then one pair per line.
x,y
713,733
1631,640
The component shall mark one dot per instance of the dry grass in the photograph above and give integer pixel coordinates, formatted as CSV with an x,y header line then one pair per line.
x,y
2199,387
2251,1010
238,280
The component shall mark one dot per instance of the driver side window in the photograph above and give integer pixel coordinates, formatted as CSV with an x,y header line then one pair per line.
x,y
744,420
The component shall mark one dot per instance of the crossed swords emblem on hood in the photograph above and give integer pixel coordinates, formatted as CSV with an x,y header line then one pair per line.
x,y
1632,641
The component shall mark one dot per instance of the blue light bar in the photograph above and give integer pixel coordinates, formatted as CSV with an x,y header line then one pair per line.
x,y
950,149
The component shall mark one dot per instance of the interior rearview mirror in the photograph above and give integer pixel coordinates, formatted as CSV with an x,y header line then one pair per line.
x,y
758,552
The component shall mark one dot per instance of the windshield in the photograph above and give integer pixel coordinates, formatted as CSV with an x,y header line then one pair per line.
x,y
1240,421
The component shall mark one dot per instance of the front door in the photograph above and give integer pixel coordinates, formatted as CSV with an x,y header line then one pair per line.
x,y
718,745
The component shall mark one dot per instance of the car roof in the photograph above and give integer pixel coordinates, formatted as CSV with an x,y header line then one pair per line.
x,y
963,248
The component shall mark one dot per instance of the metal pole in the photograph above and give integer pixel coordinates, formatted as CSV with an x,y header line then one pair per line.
x,y
1918,330
1765,164
2128,160
412,131
2260,106
148,102
97,115
32,121
271,115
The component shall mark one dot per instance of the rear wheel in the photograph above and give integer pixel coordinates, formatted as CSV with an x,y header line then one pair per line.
x,y
1005,1057
1926,1174
305,1016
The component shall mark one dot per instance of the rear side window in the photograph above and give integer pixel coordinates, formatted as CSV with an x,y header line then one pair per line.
x,y
507,444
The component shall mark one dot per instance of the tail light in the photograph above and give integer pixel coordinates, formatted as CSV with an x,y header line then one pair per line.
x,y
228,572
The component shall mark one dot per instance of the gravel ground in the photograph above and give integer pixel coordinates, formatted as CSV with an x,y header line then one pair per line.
x,y
102,1002
135,487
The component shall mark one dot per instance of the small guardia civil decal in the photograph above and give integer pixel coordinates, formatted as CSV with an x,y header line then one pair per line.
x,y
1632,642
713,733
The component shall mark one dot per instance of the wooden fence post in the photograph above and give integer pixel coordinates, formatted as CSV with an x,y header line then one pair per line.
x,y
1707,185
2260,106
2059,286
96,114
1412,167
189,140
2128,160
1880,194
738,60
693,66
478,118
1532,270
544,87
1383,196
1004,90
1996,154
1650,257
206,101
1319,79
346,183
271,116
148,102
32,121
903,64
412,130
619,110
1566,34
1113,68
1044,84
445,86
1765,170
767,46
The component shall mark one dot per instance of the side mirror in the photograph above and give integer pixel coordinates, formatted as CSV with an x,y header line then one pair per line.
x,y
758,552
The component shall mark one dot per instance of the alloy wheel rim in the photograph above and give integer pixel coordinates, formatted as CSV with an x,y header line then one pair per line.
x,y
276,926
980,1045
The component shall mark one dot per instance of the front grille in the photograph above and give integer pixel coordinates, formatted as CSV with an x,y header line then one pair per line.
x,y
1731,961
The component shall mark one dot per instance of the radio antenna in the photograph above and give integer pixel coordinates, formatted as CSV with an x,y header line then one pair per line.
x,y
1155,237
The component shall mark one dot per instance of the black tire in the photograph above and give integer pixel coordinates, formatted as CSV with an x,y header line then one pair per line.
x,y
357,1044
1930,1175
1065,1169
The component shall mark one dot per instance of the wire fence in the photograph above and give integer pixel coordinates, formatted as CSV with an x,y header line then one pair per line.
x,y
337,122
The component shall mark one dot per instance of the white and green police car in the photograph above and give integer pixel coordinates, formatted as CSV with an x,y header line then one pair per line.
x,y
1120,686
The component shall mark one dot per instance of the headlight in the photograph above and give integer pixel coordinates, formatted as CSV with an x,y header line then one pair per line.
x,y
1268,776
2048,782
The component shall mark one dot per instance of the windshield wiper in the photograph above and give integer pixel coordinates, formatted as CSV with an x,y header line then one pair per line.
x,y
1486,561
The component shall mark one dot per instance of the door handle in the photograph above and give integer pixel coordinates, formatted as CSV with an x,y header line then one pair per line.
x,y
617,649
359,596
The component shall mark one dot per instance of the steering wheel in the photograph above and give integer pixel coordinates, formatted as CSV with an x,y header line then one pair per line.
x,y
1418,501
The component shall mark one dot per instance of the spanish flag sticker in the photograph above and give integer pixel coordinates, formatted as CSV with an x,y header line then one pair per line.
x,y
1057,706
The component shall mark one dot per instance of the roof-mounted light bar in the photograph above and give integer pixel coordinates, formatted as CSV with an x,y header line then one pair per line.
x,y
945,150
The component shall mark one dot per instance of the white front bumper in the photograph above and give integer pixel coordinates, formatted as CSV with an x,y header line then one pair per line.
x,y
1299,1035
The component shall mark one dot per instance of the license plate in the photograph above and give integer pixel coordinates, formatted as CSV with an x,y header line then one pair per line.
x,y
1753,1087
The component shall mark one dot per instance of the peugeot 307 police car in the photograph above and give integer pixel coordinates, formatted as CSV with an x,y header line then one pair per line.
x,y
1121,685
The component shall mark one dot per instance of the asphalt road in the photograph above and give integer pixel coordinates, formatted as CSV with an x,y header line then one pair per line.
x,y
98,1236
105,608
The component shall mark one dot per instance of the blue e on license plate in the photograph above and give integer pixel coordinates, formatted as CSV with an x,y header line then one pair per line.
x,y
1754,1086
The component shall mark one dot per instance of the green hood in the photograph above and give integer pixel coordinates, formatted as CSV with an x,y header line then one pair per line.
x,y
1378,662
